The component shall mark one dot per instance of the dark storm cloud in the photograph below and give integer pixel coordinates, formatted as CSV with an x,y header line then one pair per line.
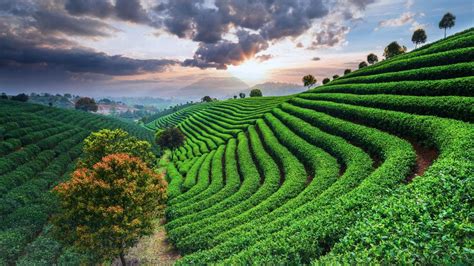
x,y
131,10
97,8
225,53
54,22
14,52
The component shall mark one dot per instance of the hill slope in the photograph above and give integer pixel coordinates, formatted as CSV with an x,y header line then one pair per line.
x,y
38,149
375,166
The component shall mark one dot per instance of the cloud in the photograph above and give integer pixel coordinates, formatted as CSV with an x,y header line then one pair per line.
x,y
409,3
97,8
264,57
329,35
220,55
315,58
405,18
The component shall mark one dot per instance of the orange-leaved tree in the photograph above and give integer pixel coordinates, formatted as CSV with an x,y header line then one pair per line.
x,y
105,209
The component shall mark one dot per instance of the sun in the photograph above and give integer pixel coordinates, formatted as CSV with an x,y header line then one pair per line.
x,y
251,71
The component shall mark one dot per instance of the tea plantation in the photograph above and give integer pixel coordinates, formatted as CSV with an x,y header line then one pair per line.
x,y
376,166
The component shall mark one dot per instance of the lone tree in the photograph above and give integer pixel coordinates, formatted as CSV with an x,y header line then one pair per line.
x,y
242,95
419,36
309,81
235,96
4,96
347,71
372,59
170,138
104,142
326,80
362,64
256,93
393,49
447,21
105,209
86,104
20,97
335,77
206,99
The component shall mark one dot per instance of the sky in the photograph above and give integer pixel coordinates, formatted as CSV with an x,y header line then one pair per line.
x,y
154,47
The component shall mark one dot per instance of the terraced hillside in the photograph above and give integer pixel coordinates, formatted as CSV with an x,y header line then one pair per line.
x,y
375,166
38,147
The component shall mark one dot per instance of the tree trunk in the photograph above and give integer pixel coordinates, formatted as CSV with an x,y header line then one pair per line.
x,y
122,259
445,33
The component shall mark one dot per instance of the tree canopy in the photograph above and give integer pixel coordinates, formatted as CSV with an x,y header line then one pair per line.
x,y
362,64
170,138
206,99
256,93
326,80
393,49
242,95
419,36
104,142
372,58
347,71
447,21
105,209
20,97
309,80
86,104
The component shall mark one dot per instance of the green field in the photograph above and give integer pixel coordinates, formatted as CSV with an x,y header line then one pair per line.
x,y
376,167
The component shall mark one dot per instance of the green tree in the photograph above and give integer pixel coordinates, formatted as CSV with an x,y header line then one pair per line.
x,y
393,49
105,209
447,21
347,71
256,93
20,97
4,96
242,95
170,138
419,36
362,64
335,77
309,80
235,96
206,99
372,59
104,142
326,80
86,104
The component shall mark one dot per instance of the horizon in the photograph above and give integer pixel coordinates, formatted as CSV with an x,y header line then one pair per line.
x,y
154,48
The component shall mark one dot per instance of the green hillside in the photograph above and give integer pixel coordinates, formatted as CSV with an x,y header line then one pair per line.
x,y
374,167
38,149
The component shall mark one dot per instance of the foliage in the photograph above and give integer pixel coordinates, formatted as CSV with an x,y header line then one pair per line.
x,y
362,64
347,71
309,80
419,36
206,99
393,49
170,138
20,97
104,142
326,81
256,93
242,95
446,22
372,59
105,209
86,104
335,77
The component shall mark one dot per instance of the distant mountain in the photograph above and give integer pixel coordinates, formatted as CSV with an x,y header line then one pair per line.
x,y
277,88
217,87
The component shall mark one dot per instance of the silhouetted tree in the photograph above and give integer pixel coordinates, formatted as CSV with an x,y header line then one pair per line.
x,y
86,104
393,49
326,80
372,59
4,96
256,93
347,71
235,96
447,21
170,138
419,36
309,80
335,77
242,95
20,97
206,99
362,64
